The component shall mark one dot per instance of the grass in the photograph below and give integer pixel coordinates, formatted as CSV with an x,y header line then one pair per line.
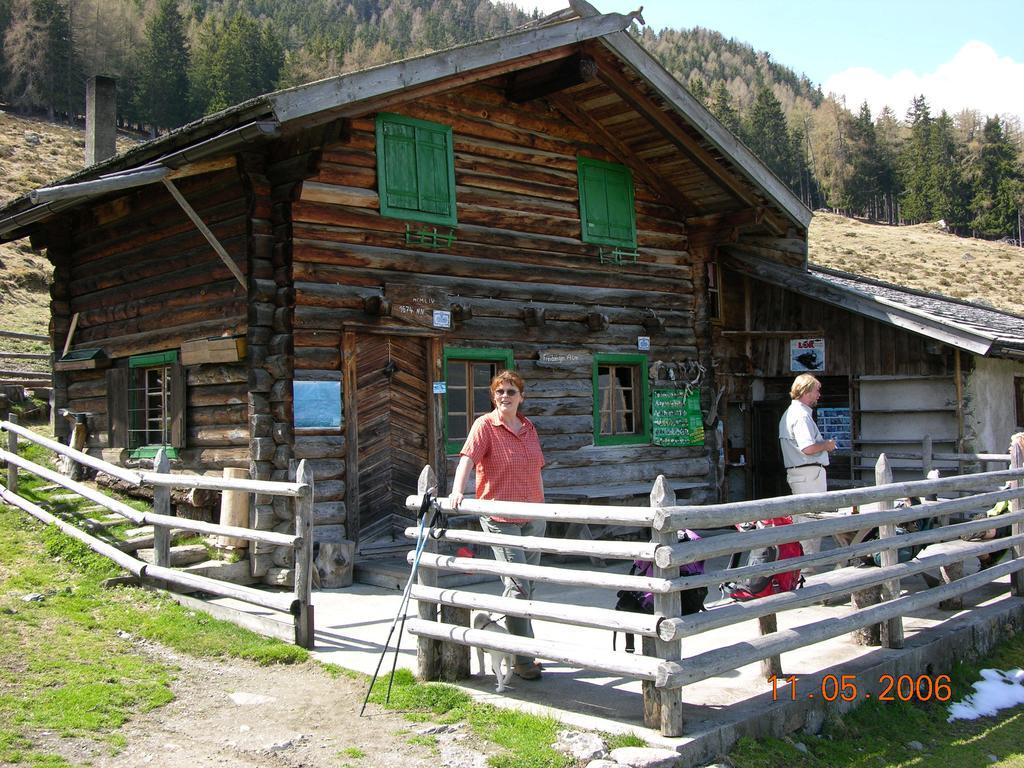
x,y
67,661
922,257
526,739
879,734
68,666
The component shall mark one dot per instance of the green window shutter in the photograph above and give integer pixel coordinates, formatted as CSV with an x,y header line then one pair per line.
x,y
433,152
399,189
607,206
415,170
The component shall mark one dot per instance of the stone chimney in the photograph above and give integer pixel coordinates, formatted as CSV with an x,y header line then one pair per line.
x,y
100,119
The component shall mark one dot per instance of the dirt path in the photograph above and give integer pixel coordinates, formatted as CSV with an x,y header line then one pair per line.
x,y
235,714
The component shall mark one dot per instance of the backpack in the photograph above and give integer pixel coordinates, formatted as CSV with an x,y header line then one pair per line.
x,y
761,586
691,600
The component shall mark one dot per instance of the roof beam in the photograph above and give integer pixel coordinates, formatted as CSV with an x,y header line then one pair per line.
x,y
547,79
567,106
684,142
467,63
207,233
136,178
700,118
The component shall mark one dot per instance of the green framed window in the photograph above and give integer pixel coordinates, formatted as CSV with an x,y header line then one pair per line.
x,y
146,405
415,169
607,206
468,373
621,400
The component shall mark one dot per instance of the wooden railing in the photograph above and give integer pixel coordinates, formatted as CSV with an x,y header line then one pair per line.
x,y
926,459
445,633
12,372
297,603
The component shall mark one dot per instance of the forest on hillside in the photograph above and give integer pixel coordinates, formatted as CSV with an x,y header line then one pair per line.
x,y
176,60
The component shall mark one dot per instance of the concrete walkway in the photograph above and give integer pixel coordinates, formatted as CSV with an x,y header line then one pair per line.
x,y
352,626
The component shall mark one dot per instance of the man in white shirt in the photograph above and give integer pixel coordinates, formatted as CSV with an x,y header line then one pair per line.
x,y
804,449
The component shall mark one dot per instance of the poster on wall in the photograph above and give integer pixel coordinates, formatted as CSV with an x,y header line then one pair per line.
x,y
835,424
677,418
806,355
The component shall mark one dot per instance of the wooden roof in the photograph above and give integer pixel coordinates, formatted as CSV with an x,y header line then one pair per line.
x,y
584,63
971,327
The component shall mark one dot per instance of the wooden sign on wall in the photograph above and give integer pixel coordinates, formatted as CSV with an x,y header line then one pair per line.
x,y
563,358
416,303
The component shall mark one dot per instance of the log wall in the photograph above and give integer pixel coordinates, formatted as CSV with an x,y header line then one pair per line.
x,y
518,244
144,279
854,345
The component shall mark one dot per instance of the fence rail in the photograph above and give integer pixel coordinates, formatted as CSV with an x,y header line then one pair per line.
x,y
443,626
23,336
24,377
298,603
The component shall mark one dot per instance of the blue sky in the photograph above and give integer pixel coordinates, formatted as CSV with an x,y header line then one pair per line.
x,y
959,54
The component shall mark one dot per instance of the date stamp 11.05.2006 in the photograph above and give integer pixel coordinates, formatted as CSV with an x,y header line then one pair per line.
x,y
850,688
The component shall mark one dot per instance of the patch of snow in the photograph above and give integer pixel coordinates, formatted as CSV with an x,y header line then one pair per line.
x,y
996,690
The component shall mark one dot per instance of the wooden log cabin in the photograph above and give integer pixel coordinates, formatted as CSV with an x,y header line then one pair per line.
x,y
333,273
904,372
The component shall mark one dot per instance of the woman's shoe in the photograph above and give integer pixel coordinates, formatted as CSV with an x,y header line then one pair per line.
x,y
529,671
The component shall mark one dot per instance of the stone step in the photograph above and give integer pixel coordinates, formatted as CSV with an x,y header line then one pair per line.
x,y
187,554
394,573
103,524
235,573
141,542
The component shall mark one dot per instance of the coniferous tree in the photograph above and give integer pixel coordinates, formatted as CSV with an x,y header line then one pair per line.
x,y
233,61
41,63
699,89
722,107
162,96
865,163
915,171
5,22
766,133
889,134
947,193
999,189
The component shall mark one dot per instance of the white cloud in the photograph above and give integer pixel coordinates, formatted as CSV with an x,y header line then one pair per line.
x,y
975,78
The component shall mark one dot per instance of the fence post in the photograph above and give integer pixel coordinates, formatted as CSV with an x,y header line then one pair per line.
x,y
892,630
161,506
303,574
663,707
12,447
1016,462
927,454
428,650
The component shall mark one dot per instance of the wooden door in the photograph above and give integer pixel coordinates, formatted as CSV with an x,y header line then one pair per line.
x,y
769,472
391,435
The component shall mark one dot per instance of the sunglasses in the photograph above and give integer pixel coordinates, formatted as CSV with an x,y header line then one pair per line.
x,y
509,392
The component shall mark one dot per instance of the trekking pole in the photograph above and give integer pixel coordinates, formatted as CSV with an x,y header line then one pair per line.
x,y
429,531
421,540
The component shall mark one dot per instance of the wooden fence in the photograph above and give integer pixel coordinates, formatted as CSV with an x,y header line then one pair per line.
x,y
160,573
928,460
444,634
11,373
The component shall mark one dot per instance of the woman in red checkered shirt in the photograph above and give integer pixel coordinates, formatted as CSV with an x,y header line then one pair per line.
x,y
504,448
